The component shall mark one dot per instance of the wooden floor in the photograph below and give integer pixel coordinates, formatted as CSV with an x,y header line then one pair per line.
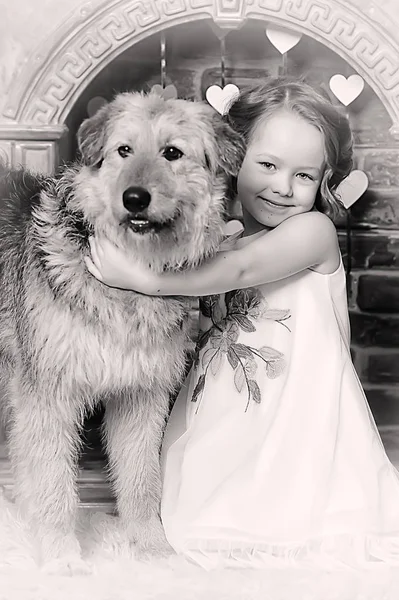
x,y
95,491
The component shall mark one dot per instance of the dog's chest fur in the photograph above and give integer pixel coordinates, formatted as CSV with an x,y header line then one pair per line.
x,y
111,341
57,318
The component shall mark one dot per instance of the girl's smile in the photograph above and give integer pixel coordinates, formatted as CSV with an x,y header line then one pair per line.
x,y
274,204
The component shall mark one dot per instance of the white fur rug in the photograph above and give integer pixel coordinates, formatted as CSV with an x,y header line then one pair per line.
x,y
121,577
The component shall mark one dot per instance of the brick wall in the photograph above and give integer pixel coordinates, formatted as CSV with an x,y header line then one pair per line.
x,y
193,63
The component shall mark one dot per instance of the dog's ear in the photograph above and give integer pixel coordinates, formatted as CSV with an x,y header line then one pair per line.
x,y
230,149
91,137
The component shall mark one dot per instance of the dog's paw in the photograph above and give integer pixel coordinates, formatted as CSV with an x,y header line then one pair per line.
x,y
68,566
149,551
149,540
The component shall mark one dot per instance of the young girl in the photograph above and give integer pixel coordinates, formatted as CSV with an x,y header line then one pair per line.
x,y
271,453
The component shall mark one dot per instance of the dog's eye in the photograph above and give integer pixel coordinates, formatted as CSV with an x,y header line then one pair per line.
x,y
124,151
172,153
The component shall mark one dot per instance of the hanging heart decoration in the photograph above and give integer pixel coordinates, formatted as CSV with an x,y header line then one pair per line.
x,y
346,89
352,187
167,93
281,38
232,227
232,231
221,98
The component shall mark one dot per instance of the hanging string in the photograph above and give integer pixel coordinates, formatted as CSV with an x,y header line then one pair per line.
x,y
348,227
348,249
284,67
163,60
221,34
222,61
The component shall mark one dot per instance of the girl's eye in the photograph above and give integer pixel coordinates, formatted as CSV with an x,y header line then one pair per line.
x,y
172,153
305,176
269,166
124,151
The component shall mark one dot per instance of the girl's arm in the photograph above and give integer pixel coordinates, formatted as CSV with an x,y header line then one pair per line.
x,y
302,241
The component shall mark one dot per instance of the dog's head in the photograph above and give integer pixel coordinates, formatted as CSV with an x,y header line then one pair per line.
x,y
154,176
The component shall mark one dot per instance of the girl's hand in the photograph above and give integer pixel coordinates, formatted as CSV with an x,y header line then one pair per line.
x,y
110,265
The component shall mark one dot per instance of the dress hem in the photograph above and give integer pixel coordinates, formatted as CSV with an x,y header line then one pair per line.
x,y
332,552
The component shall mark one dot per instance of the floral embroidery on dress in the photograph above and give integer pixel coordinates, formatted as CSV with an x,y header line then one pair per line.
x,y
242,309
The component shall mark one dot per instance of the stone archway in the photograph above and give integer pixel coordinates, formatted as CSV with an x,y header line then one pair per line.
x,y
54,78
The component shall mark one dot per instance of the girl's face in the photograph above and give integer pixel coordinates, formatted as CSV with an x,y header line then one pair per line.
x,y
282,170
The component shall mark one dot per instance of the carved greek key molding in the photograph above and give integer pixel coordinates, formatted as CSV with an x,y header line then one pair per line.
x,y
354,36
229,14
65,68
55,77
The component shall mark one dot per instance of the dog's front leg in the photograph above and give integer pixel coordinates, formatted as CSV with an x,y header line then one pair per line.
x,y
133,430
43,451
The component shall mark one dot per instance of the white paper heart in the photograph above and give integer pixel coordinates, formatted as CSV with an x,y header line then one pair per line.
x,y
232,231
352,187
220,98
346,90
167,93
232,227
282,39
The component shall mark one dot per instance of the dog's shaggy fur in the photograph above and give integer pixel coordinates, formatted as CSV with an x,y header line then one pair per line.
x,y
152,180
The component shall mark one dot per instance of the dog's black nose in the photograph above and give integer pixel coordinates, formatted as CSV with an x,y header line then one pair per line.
x,y
136,199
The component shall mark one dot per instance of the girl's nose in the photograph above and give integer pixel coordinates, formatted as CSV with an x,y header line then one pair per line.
x,y
282,184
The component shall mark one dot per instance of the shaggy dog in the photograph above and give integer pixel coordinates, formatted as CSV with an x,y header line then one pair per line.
x,y
152,180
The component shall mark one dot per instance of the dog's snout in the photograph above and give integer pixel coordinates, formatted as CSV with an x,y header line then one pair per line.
x,y
136,199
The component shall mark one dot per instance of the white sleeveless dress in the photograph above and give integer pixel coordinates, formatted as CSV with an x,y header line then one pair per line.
x,y
271,455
